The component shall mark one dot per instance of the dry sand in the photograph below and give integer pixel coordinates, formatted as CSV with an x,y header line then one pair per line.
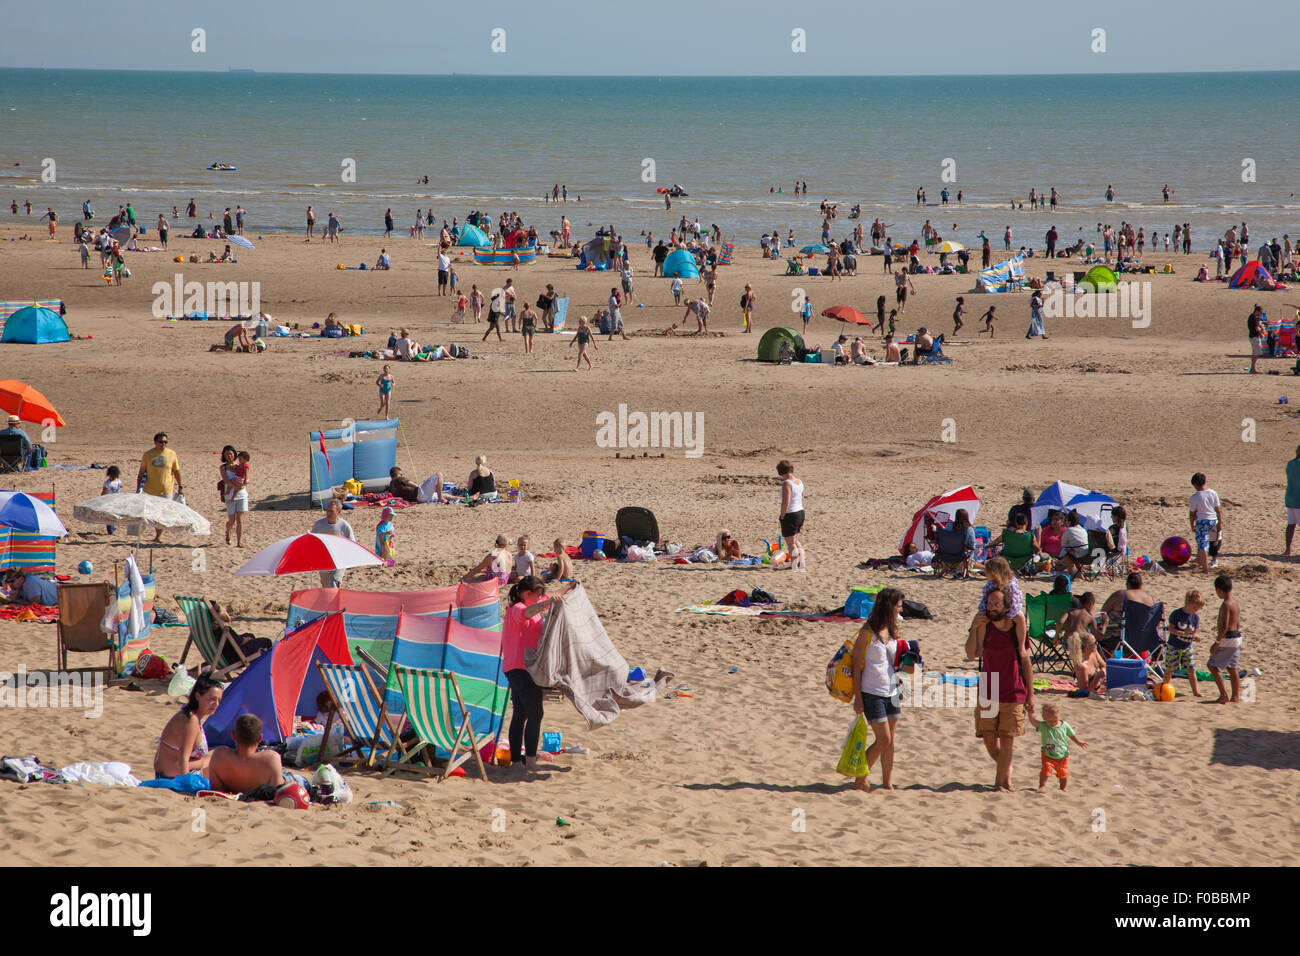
x,y
727,775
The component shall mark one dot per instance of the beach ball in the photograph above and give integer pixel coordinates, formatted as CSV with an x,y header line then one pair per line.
x,y
1175,551
85,567
1165,692
292,796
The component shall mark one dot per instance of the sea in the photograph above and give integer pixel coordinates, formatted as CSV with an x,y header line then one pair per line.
x,y
1226,144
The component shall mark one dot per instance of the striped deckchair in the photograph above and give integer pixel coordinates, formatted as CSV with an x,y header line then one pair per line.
x,y
360,707
27,550
429,696
222,655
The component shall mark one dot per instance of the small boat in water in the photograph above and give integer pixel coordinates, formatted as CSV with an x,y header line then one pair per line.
x,y
222,168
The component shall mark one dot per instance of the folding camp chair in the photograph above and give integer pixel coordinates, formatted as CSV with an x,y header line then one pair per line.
x,y
1047,649
1143,632
12,459
429,695
1105,558
222,654
950,553
793,267
1018,548
359,704
82,608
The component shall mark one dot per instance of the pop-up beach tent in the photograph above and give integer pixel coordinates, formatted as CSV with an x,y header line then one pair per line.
x,y
597,252
1250,276
1098,279
33,325
282,682
365,452
769,346
472,236
1001,277
682,264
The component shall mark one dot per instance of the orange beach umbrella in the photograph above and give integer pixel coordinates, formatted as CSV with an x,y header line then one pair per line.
x,y
19,398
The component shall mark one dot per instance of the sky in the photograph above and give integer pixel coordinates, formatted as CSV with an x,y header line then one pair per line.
x,y
658,38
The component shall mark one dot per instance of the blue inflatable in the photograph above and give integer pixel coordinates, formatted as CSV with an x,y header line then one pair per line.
x,y
681,263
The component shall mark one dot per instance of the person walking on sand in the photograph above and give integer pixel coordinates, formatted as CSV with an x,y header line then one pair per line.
x,y
792,513
876,683
160,473
1292,500
958,310
528,326
585,340
1006,681
333,523
53,217
1036,317
902,283
1206,516
385,385
747,302
163,228
311,222
989,318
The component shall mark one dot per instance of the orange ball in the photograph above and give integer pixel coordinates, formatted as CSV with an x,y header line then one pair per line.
x,y
1165,692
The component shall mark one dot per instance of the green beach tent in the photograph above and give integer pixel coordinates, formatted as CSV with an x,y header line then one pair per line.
x,y
1099,279
769,346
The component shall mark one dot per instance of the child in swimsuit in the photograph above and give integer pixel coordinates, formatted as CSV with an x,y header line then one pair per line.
x,y
584,340
561,568
385,383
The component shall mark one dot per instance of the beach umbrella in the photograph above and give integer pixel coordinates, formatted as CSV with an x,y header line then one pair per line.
x,y
1055,497
938,511
240,241
310,552
846,313
19,398
24,513
817,249
1093,509
950,246
141,509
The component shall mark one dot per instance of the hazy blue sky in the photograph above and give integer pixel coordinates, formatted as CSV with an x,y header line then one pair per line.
x,y
660,37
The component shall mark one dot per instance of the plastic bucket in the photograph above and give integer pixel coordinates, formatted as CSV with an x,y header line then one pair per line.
x,y
593,542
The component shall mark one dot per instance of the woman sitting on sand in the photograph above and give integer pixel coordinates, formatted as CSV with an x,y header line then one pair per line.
x,y
726,547
182,746
482,483
495,567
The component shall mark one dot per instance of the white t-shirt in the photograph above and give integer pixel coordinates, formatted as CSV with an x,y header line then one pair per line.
x,y
524,564
444,263
404,348
677,284
1204,505
1076,537
342,529
796,495
878,675
920,560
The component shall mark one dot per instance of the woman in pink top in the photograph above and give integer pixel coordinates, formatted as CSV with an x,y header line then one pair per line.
x,y
1049,538
520,632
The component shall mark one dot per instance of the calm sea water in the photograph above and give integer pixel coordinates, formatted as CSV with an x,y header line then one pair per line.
x,y
500,143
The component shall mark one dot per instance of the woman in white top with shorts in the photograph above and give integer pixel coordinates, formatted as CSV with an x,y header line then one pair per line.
x,y
791,513
874,676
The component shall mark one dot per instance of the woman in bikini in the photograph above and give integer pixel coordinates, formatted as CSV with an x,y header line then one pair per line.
x,y
183,734
482,483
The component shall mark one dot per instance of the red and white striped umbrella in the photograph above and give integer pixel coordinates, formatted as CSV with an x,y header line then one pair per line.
x,y
938,511
310,552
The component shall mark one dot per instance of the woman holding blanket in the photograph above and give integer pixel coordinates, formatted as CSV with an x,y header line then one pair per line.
x,y
520,633
876,681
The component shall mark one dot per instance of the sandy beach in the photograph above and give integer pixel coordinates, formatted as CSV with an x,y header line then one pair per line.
x,y
743,771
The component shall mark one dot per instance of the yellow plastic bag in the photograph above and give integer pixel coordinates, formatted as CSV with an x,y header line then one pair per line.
x,y
353,487
853,759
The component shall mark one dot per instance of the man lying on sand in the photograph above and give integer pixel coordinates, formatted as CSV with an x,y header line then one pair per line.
x,y
244,768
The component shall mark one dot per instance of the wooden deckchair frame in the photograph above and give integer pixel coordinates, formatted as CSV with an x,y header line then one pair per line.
x,y
201,633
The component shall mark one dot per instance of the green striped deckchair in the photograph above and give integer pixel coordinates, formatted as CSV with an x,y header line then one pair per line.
x,y
429,697
360,706
222,655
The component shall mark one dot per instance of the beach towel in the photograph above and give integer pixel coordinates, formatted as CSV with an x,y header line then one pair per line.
x,y
190,783
23,613
110,774
577,656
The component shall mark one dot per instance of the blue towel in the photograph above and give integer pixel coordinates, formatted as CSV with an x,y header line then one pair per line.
x,y
191,782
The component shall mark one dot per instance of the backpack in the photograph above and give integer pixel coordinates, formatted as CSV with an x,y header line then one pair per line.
x,y
839,672
459,351
743,300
